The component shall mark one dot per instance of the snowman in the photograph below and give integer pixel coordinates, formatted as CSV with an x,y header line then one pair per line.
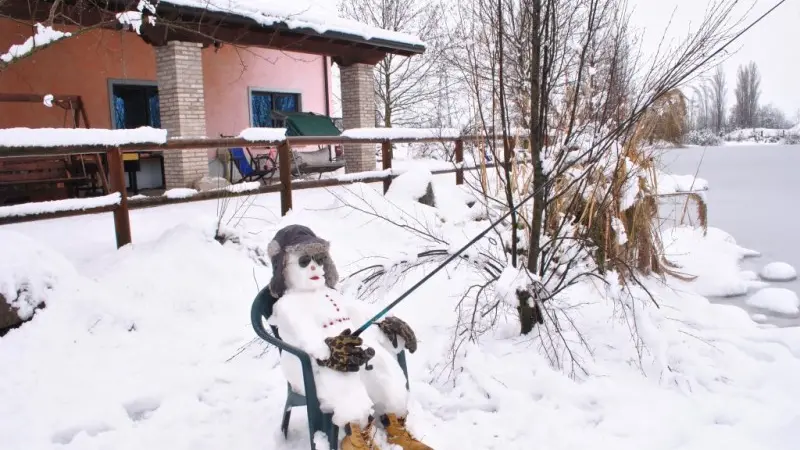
x,y
357,378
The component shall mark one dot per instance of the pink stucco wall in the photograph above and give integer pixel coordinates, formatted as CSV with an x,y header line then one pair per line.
x,y
230,73
80,65
83,65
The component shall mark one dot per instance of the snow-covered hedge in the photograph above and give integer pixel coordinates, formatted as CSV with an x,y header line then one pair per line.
x,y
760,135
703,137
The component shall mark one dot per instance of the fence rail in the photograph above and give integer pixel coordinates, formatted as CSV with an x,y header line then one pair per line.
x,y
199,143
285,186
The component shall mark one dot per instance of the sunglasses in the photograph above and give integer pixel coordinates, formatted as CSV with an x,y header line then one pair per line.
x,y
305,260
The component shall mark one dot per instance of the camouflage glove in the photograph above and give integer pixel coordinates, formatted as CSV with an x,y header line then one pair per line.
x,y
346,353
393,327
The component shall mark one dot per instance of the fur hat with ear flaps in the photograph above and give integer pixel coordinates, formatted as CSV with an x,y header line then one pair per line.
x,y
297,239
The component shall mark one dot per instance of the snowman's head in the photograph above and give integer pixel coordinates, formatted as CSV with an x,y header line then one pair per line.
x,y
305,272
300,261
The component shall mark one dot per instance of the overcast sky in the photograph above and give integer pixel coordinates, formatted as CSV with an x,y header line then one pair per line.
x,y
774,44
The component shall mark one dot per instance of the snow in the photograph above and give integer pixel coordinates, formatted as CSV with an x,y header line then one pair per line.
x,y
48,100
701,256
52,206
264,134
779,300
760,318
180,193
358,176
59,137
778,271
299,14
241,187
135,347
401,133
132,19
45,35
671,183
189,192
450,200
511,280
29,272
410,185
619,229
321,441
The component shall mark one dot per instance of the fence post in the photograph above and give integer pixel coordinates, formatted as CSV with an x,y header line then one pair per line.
x,y
459,161
285,168
122,221
386,160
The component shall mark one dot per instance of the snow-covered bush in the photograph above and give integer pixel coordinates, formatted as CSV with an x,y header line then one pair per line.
x,y
704,137
791,138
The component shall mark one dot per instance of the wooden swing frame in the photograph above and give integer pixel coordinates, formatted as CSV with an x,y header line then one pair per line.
x,y
68,103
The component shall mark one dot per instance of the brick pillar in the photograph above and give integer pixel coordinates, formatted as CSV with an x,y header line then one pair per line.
x,y
358,111
179,69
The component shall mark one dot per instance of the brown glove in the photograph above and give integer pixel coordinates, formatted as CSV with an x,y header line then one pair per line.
x,y
346,353
393,327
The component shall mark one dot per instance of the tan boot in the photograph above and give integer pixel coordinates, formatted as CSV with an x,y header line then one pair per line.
x,y
398,434
358,438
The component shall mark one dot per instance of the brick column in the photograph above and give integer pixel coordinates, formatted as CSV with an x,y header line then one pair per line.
x,y
179,69
358,111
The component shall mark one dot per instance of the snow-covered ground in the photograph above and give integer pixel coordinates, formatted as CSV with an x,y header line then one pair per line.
x,y
752,193
148,346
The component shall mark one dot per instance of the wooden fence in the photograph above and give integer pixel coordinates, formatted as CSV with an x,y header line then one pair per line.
x,y
285,187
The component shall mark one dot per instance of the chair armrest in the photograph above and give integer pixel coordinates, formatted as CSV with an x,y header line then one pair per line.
x,y
256,316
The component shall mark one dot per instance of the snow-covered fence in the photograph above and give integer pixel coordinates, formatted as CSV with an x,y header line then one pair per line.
x,y
113,143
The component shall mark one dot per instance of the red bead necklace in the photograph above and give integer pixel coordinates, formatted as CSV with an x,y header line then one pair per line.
x,y
337,320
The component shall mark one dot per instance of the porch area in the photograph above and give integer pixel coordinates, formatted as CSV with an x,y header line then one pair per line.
x,y
178,73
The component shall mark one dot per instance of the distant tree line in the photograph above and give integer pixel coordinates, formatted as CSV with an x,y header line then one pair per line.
x,y
707,104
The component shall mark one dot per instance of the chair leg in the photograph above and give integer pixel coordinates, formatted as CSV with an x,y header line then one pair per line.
x,y
285,423
287,414
333,433
315,423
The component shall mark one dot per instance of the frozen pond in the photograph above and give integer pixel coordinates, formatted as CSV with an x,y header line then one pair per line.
x,y
752,194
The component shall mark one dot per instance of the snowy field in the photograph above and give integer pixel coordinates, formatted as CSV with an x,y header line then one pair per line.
x,y
147,347
752,195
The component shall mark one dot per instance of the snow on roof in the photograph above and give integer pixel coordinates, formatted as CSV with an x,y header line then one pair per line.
x,y
59,137
314,14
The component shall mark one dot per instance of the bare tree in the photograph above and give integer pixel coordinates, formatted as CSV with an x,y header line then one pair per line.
x,y
748,91
719,93
407,89
564,74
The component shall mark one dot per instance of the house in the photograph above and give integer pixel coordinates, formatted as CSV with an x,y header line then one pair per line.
x,y
200,68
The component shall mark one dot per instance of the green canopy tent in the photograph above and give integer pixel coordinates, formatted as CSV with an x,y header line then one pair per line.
x,y
307,124
310,124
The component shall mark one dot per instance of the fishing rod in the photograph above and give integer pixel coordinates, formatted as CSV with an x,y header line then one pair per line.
x,y
442,265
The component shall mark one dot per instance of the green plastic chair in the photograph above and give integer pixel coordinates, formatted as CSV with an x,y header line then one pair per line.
x,y
317,420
